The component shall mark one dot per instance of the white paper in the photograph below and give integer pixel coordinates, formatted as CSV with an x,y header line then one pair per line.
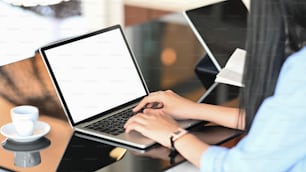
x,y
233,71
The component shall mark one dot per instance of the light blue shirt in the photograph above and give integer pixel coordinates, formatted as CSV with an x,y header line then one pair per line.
x,y
277,139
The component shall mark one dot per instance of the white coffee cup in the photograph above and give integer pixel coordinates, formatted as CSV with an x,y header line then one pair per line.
x,y
24,118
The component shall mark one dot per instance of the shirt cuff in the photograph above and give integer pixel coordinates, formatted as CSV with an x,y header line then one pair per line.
x,y
212,159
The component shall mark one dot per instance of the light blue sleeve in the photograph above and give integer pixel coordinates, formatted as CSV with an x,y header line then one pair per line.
x,y
277,139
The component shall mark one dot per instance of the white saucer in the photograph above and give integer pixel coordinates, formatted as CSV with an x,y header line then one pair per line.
x,y
40,130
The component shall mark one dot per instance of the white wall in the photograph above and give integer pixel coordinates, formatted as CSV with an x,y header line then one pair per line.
x,y
102,13
23,32
174,5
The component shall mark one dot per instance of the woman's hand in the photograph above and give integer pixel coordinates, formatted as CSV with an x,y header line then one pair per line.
x,y
168,102
155,126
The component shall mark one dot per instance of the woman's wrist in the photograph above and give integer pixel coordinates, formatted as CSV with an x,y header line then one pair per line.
x,y
175,136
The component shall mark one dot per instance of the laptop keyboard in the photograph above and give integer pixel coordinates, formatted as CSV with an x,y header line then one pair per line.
x,y
114,124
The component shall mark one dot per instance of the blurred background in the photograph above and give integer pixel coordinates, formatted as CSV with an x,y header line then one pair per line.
x,y
27,25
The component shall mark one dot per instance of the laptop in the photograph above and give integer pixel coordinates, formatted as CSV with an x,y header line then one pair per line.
x,y
220,28
98,82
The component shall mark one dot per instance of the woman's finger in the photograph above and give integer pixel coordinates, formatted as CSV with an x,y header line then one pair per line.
x,y
148,101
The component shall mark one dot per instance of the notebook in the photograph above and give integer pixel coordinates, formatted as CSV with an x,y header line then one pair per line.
x,y
220,28
98,81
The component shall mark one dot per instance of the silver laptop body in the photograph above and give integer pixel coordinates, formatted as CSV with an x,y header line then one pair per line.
x,y
97,76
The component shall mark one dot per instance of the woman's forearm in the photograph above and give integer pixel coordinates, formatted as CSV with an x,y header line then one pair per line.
x,y
221,115
191,153
225,116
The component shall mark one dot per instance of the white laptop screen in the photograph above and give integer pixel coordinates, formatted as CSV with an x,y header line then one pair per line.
x,y
95,74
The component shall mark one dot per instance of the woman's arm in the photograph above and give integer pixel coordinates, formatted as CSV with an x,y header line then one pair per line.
x,y
181,108
221,115
194,153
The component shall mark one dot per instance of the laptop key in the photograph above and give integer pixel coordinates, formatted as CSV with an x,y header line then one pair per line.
x,y
114,124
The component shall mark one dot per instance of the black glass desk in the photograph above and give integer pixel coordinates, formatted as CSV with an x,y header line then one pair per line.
x,y
93,154
167,52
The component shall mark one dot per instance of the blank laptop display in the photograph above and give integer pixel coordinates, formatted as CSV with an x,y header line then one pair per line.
x,y
97,78
95,73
